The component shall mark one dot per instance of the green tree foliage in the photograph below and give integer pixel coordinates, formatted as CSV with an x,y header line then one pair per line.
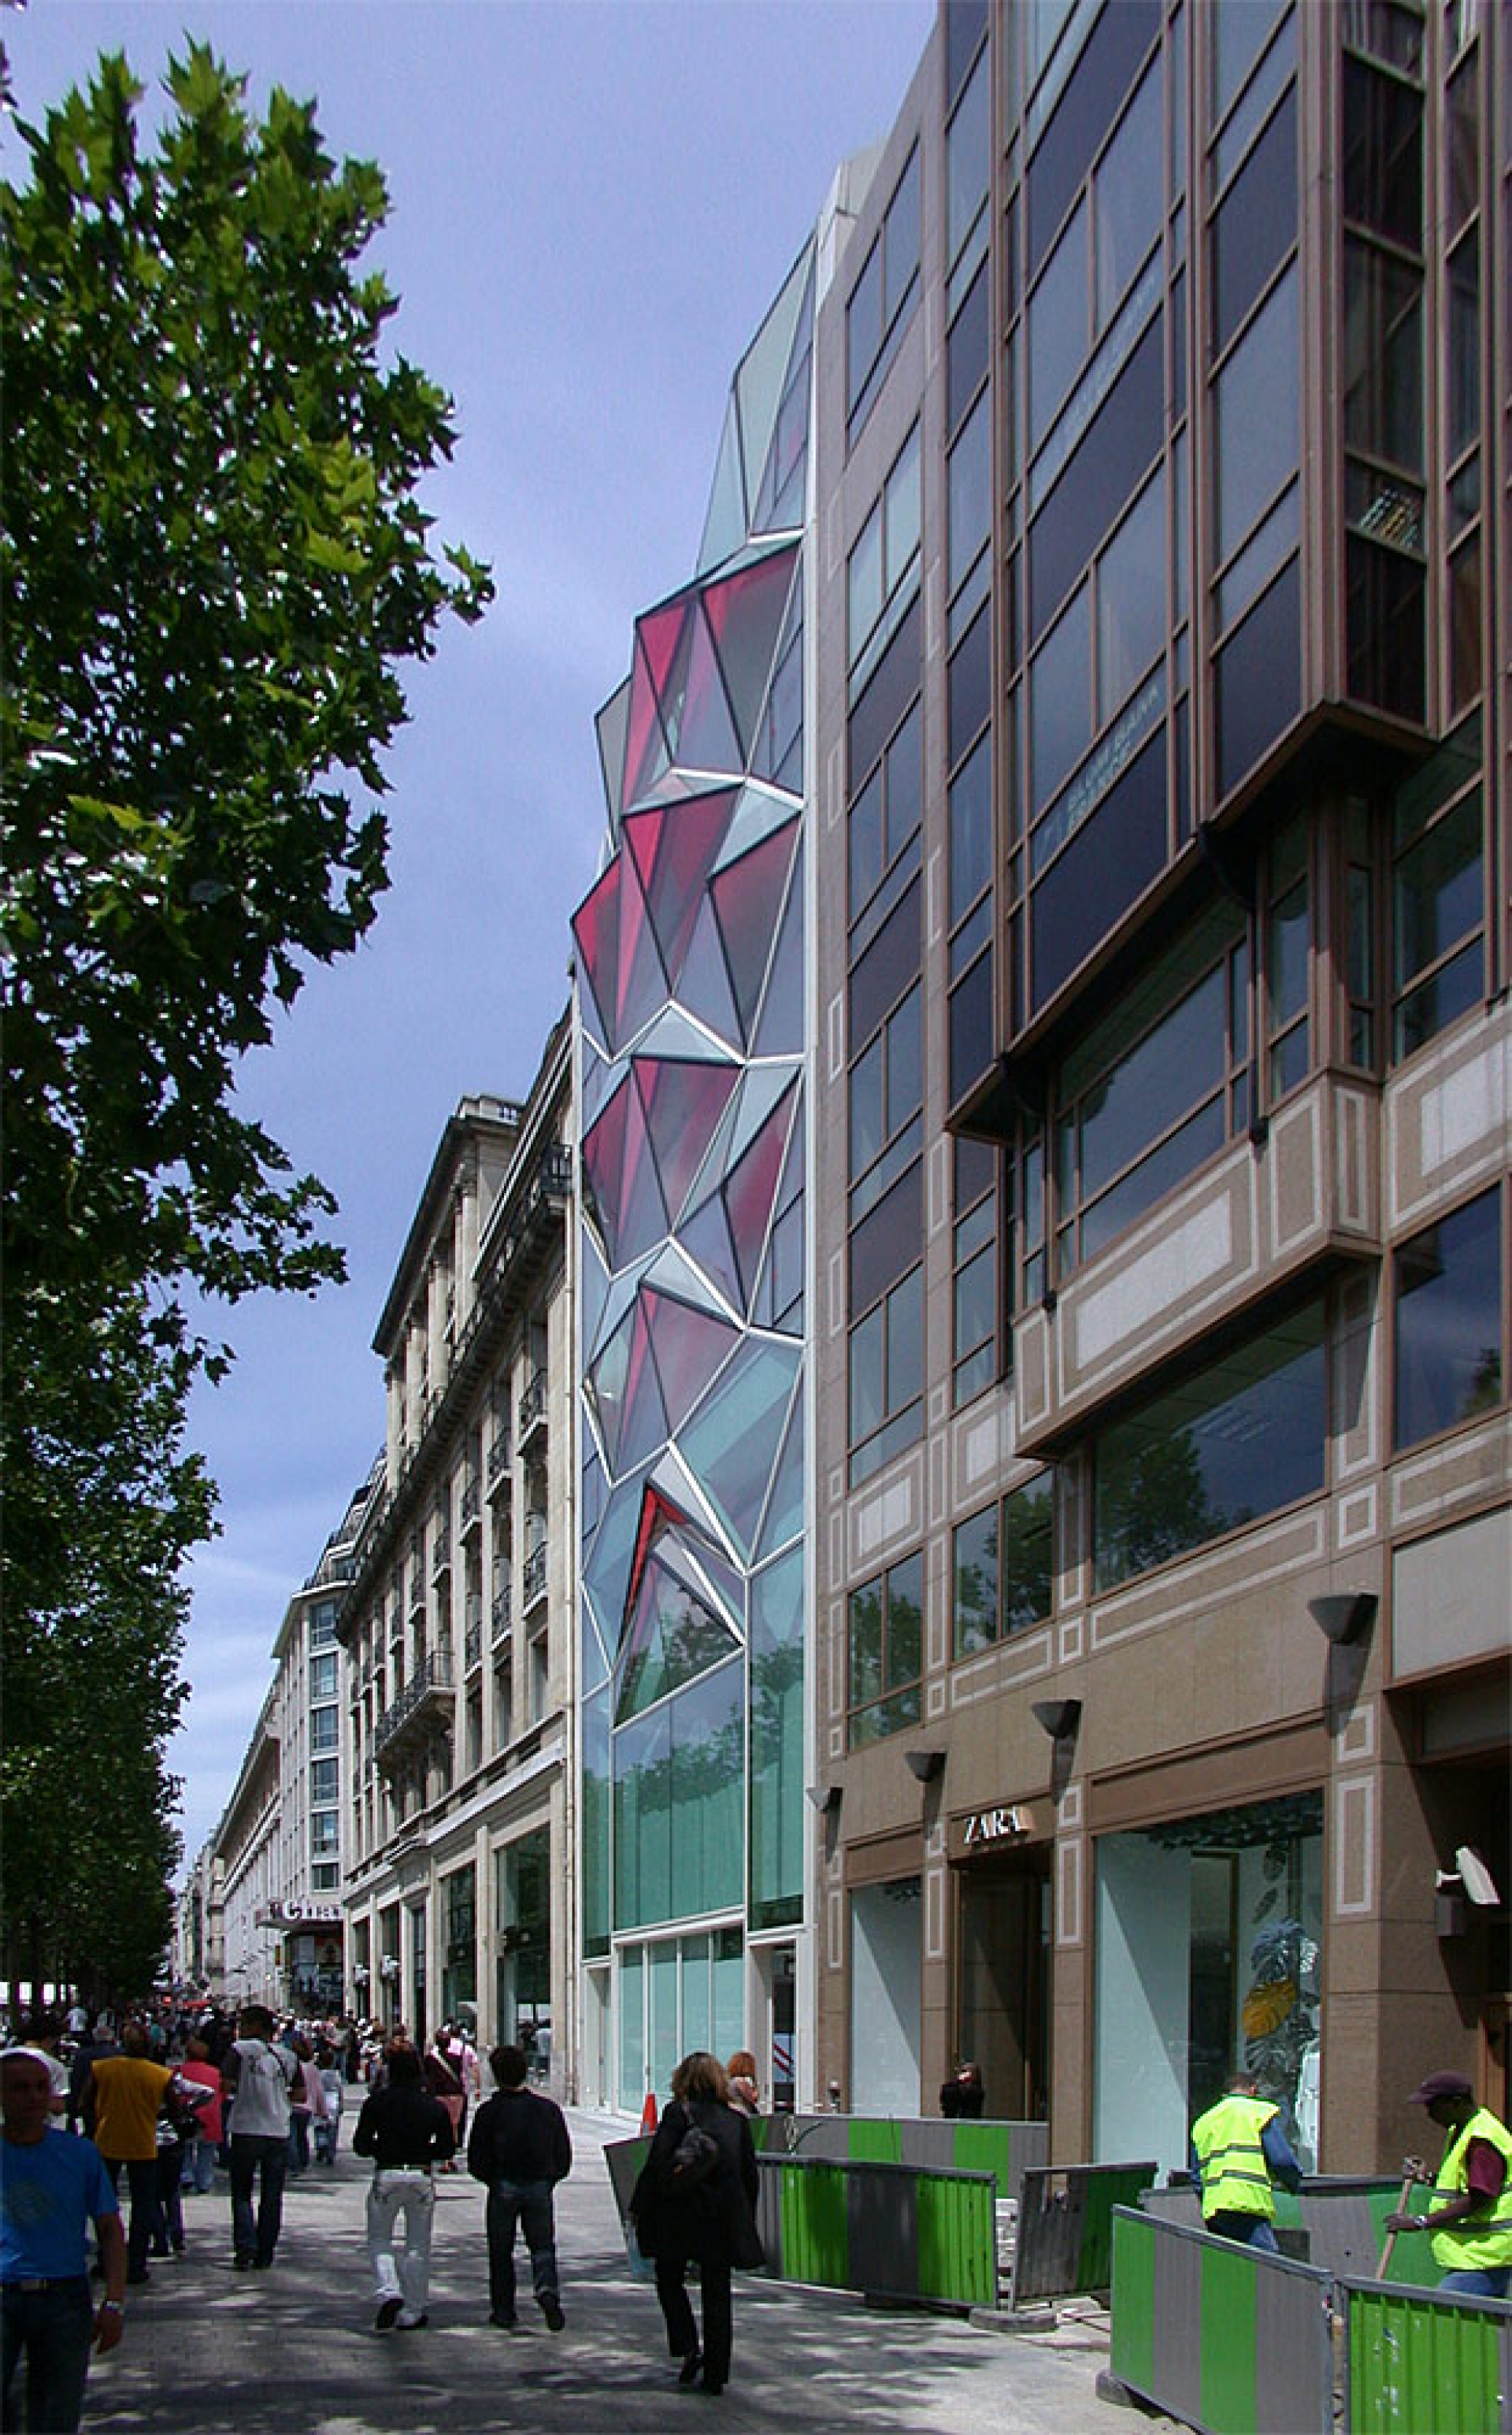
x,y
214,566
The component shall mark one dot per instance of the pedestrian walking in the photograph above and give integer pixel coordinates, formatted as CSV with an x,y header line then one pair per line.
x,y
745,2088
52,2186
127,2092
200,2166
696,2198
1238,2150
1470,2211
259,2076
519,2148
407,2132
327,2125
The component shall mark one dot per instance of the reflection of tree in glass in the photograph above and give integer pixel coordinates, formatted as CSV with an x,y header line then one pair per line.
x,y
976,1597
1152,1504
1485,1389
1025,1558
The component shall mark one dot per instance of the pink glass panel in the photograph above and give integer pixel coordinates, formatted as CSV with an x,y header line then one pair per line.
x,y
706,737
645,750
747,899
751,1191
689,1346
597,928
604,1166
703,984
705,1237
674,848
683,1104
745,614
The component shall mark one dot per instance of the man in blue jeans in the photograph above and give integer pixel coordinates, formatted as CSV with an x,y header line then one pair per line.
x,y
51,2185
261,2075
521,2148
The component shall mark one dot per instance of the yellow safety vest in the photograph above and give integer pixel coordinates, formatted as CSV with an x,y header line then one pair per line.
x,y
1483,2240
1235,2176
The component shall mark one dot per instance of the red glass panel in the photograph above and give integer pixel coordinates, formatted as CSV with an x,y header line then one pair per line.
x,y
751,1191
689,1348
706,737
674,846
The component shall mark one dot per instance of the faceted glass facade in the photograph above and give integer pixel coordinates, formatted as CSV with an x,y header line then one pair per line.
x,y
691,1021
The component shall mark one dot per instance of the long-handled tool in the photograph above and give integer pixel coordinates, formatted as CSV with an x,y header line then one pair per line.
x,y
1414,2174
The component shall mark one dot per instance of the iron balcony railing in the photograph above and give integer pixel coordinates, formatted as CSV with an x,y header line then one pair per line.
x,y
426,1698
503,1611
535,1575
532,1412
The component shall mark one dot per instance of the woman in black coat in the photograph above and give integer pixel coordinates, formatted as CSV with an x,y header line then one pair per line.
x,y
714,2221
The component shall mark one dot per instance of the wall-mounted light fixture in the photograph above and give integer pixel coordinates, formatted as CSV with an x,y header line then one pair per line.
x,y
926,1764
1344,1615
825,1797
1059,1719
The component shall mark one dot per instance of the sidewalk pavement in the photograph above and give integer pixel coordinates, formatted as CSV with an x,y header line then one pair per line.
x,y
293,2352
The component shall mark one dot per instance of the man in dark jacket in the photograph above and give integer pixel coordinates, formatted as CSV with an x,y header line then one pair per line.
x,y
406,2131
521,2148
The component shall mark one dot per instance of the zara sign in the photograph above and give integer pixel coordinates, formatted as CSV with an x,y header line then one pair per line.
x,y
1004,1824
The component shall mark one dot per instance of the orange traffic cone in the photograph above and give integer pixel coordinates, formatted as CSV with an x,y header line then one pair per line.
x,y
649,2114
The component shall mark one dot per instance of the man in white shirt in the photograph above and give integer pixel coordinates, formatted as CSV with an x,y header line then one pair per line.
x,y
260,2075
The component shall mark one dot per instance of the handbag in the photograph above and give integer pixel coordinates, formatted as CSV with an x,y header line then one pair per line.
x,y
693,2161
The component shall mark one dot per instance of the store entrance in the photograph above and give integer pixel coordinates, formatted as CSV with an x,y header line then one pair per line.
x,y
1003,1981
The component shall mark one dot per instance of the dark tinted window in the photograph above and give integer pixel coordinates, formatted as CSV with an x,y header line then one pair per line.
x,y
970,683
1102,77
1448,1321
972,1046
886,696
885,1245
1119,446
1256,224
886,970
1107,865
1385,623
966,348
1259,680
1382,154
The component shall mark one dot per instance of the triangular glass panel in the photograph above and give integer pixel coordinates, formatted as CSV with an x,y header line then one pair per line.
x,y
604,1168
674,1035
760,812
596,929
733,1442
595,1648
612,725
623,1287
779,1025
779,493
689,1347
645,747
605,1387
726,523
672,1637
704,985
763,1089
672,685
598,1080
683,1104
705,1236
642,1215
780,727
778,1302
593,1286
691,1556
750,1195
707,738
747,899
669,1271
744,612
643,982
607,1559
644,1424
674,849
763,371
784,1517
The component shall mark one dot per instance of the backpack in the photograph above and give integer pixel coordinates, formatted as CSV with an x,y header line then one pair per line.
x,y
693,2161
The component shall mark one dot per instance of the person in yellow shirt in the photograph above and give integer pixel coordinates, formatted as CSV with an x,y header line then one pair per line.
x,y
1238,2150
1470,2212
129,2089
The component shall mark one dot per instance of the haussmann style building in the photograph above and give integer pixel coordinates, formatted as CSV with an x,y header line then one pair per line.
x,y
459,1678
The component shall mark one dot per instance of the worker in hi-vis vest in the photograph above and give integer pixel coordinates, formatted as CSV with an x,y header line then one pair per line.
x,y
1238,2150
1469,2212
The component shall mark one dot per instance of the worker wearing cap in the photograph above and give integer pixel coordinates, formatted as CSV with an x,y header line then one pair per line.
x,y
1470,2212
1238,2150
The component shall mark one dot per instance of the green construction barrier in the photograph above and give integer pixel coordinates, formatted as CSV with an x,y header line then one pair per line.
x,y
1230,2339
897,2232
1419,2359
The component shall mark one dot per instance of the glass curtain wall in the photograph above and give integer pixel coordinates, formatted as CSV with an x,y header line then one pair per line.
x,y
690,1029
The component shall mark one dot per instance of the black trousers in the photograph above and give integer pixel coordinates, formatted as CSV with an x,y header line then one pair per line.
x,y
682,2334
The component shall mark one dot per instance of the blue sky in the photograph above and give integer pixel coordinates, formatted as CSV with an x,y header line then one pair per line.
x,y
591,206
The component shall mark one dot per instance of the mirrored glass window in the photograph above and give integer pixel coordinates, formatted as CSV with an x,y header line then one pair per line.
x,y
1449,1309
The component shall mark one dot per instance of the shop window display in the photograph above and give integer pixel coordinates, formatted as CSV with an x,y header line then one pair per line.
x,y
1208,1937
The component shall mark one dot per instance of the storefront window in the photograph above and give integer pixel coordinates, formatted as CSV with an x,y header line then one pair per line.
x,y
1209,1961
